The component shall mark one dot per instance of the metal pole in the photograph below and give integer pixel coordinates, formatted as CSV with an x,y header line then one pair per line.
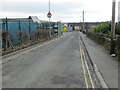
x,y
19,25
49,21
49,5
6,21
112,47
29,30
49,28
6,24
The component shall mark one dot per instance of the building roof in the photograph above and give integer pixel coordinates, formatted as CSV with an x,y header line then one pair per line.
x,y
15,20
43,21
30,18
35,19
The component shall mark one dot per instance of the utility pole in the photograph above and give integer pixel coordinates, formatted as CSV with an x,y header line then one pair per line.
x,y
80,23
112,47
119,12
83,22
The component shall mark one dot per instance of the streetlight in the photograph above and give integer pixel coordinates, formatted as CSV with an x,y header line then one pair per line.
x,y
112,46
49,16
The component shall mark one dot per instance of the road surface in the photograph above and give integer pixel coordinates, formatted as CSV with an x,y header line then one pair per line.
x,y
58,64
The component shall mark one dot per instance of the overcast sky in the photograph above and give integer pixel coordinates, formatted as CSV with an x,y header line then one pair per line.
x,y
64,10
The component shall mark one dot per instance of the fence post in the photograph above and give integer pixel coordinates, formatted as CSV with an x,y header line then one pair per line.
x,y
29,28
6,27
20,34
19,25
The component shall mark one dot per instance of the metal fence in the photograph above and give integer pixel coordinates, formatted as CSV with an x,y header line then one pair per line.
x,y
17,31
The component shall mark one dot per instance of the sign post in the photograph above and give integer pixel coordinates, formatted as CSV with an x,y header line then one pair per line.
x,y
49,16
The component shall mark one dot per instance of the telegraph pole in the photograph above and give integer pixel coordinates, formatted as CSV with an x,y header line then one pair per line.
x,y
80,23
112,47
83,22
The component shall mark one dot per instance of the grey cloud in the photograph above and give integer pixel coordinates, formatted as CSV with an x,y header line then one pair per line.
x,y
24,7
62,8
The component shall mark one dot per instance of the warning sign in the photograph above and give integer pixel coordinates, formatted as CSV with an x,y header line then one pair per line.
x,y
49,14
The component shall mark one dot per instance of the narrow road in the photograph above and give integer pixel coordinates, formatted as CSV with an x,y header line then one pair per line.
x,y
55,65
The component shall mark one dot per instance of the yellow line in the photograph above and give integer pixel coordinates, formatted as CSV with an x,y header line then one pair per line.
x,y
83,65
21,53
88,71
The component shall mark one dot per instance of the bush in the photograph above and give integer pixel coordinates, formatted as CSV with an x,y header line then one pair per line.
x,y
117,29
118,47
105,28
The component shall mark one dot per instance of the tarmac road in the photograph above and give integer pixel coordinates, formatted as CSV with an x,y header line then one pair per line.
x,y
54,65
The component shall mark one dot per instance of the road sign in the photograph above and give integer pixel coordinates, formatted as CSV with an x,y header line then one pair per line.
x,y
49,14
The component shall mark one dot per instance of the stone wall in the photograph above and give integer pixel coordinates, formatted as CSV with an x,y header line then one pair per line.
x,y
104,40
